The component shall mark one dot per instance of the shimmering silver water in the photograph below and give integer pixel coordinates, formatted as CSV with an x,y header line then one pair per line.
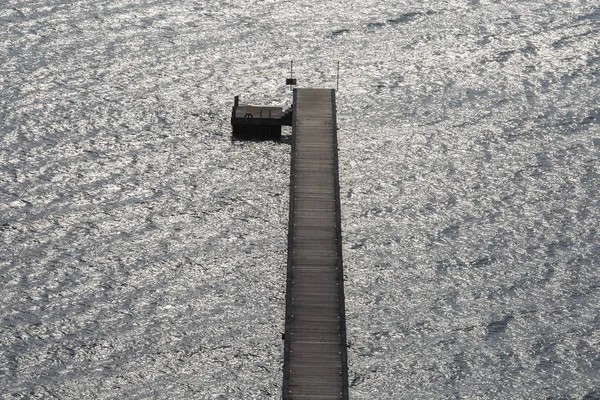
x,y
143,252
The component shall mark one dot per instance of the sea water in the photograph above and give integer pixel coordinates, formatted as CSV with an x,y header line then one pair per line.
x,y
143,252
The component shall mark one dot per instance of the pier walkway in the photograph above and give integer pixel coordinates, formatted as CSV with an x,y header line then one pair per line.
x,y
315,360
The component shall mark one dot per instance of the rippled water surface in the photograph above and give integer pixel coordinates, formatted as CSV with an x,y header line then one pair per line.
x,y
142,252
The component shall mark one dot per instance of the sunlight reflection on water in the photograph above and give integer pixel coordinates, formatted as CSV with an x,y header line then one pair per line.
x,y
143,252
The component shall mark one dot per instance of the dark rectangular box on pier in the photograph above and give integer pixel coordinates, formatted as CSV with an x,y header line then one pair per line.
x,y
258,122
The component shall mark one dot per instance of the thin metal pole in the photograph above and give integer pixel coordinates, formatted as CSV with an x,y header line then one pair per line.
x,y
291,75
338,77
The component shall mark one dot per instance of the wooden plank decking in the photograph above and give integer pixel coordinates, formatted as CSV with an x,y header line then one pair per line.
x,y
315,361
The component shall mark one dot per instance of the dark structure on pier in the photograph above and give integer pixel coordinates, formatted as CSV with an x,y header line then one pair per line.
x,y
254,122
315,359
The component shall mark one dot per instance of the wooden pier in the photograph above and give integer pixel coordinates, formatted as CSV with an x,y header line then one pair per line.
x,y
315,359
